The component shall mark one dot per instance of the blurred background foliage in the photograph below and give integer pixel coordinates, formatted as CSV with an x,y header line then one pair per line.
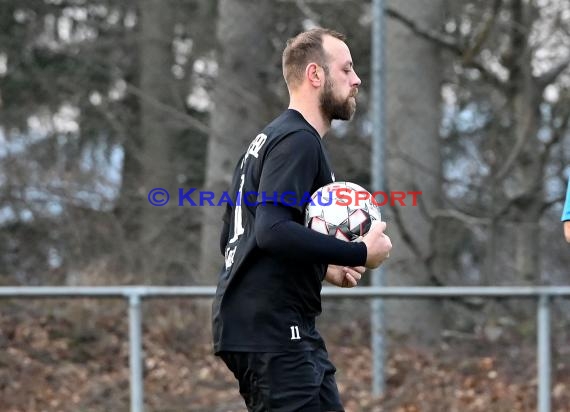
x,y
101,101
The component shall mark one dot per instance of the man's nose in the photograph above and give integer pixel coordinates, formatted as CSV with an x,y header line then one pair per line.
x,y
356,80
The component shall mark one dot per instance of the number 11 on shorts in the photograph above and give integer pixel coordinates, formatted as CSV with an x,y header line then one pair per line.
x,y
295,333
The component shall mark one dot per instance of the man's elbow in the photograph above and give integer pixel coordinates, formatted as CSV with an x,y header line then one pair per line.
x,y
261,240
265,226
263,236
267,238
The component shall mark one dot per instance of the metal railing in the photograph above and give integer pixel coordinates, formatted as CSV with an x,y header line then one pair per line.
x,y
135,294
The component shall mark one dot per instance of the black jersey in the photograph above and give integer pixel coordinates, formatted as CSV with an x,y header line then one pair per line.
x,y
267,302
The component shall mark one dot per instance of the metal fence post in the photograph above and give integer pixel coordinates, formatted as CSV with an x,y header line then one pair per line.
x,y
135,352
377,175
543,319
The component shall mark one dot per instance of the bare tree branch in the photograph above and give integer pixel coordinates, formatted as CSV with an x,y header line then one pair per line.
x,y
447,43
468,220
483,35
182,116
407,237
547,205
399,153
174,112
551,75
558,134
522,138
433,36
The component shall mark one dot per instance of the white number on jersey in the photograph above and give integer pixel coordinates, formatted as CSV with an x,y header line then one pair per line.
x,y
295,335
239,229
238,217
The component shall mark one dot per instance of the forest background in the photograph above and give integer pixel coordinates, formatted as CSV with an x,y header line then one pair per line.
x,y
102,101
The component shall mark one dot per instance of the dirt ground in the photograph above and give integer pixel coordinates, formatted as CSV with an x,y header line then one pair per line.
x,y
58,356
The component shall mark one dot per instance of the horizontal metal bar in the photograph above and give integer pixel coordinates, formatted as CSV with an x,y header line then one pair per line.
x,y
106,291
448,291
333,292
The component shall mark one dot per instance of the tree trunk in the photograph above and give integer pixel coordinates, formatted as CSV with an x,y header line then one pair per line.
x,y
241,107
413,82
527,174
160,239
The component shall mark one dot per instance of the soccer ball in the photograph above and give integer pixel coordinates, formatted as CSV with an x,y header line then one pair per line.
x,y
344,210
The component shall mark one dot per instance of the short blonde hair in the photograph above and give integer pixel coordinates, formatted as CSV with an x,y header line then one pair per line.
x,y
303,49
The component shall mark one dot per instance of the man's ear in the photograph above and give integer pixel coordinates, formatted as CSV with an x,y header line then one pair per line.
x,y
315,74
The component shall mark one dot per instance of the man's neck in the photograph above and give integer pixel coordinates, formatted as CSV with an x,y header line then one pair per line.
x,y
312,114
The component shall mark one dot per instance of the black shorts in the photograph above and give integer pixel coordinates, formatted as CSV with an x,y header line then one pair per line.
x,y
285,381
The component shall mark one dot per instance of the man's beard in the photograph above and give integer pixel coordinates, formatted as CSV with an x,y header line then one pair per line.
x,y
334,108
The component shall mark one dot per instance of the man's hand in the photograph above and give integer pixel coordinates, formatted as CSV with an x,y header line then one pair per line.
x,y
344,276
378,245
